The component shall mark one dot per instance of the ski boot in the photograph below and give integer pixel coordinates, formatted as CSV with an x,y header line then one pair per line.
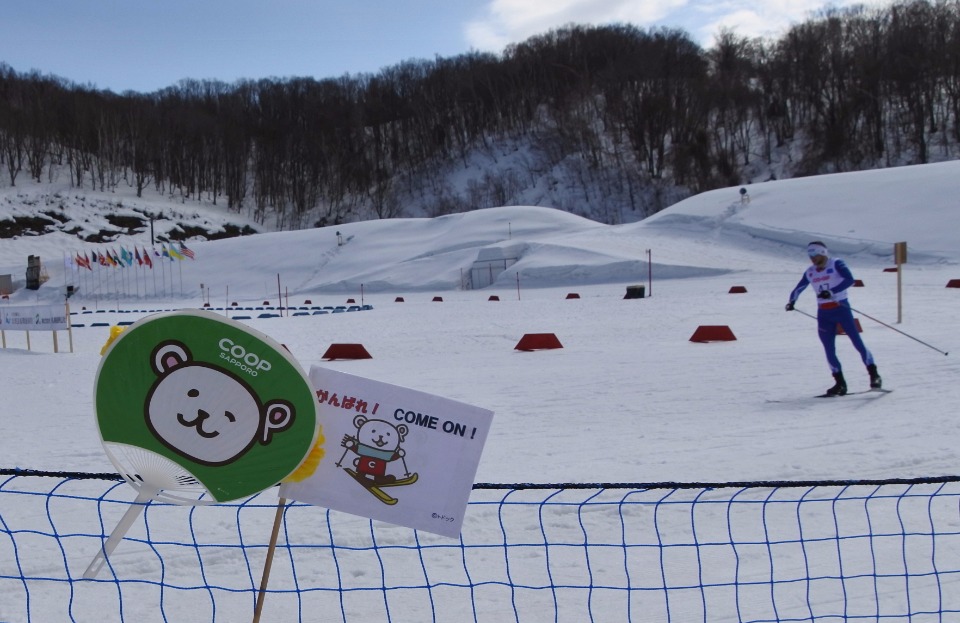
x,y
875,381
839,388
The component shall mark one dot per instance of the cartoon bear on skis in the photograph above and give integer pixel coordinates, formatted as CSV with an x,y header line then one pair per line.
x,y
376,444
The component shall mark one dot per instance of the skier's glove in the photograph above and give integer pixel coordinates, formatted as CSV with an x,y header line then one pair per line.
x,y
826,294
788,307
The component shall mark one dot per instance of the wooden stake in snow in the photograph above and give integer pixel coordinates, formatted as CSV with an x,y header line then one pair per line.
x,y
268,563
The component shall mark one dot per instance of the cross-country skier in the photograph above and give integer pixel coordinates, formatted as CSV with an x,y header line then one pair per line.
x,y
831,278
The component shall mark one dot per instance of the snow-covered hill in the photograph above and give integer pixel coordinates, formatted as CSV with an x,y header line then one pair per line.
x,y
709,234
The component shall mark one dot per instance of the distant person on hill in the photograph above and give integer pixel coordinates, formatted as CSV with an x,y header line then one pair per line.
x,y
831,278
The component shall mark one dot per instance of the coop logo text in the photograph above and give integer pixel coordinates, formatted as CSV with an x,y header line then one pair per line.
x,y
247,361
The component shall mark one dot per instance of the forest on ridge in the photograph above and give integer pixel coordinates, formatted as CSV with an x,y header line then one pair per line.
x,y
610,122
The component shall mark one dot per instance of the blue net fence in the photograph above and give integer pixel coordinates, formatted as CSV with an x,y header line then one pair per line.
x,y
816,551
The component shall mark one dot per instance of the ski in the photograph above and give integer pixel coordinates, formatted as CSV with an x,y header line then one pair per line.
x,y
382,495
379,493
375,490
400,482
876,390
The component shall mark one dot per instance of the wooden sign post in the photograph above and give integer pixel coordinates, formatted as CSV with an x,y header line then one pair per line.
x,y
900,257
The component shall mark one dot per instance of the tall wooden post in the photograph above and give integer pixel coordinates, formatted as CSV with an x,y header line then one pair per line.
x,y
649,273
70,325
900,257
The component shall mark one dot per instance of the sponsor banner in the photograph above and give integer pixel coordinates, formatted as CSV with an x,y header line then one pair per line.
x,y
405,457
34,318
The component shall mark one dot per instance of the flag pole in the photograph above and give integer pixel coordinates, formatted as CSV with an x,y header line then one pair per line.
x,y
96,299
268,564
81,279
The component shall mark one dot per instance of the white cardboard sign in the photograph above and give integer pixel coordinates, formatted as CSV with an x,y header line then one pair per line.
x,y
34,318
393,454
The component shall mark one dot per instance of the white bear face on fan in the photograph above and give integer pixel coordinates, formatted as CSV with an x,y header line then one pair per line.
x,y
206,414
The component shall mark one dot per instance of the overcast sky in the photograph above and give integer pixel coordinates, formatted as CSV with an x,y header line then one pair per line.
x,y
145,45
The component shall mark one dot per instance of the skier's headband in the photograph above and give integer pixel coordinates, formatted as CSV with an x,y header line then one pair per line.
x,y
816,248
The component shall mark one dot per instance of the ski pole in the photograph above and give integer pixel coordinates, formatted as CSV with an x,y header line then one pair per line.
x,y
898,331
804,313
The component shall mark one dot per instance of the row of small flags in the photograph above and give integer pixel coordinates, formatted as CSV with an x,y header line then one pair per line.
x,y
125,258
